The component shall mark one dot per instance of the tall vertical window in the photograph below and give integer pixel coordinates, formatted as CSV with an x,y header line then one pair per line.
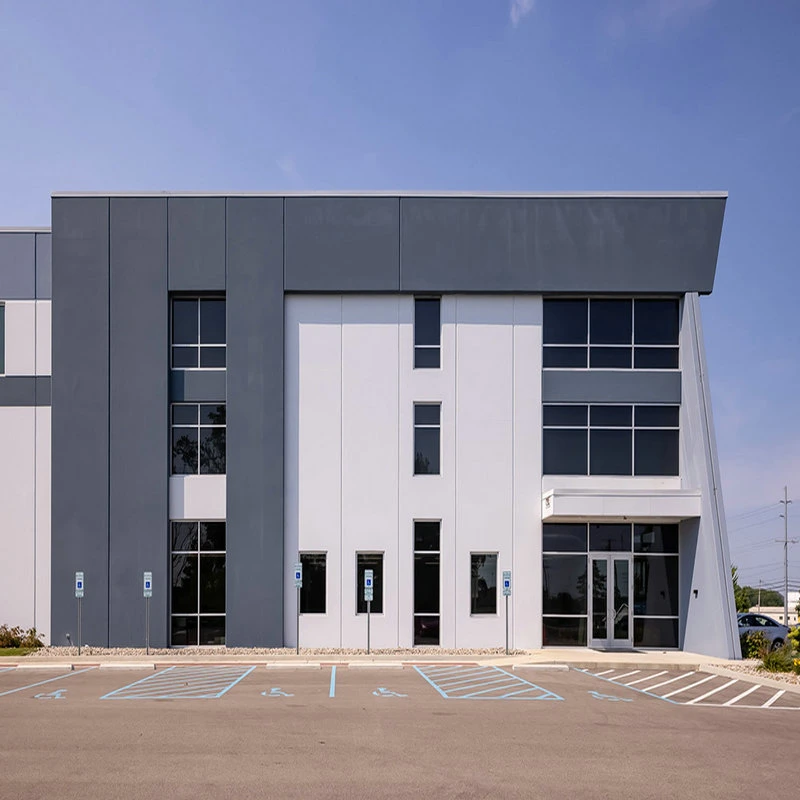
x,y
198,583
312,593
426,583
427,438
373,561
198,439
198,333
2,339
427,332
483,579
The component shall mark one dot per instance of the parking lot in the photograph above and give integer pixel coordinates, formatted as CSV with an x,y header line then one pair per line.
x,y
456,730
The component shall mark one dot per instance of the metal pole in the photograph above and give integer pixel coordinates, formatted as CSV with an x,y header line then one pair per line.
x,y
506,624
147,624
80,620
786,502
298,621
369,608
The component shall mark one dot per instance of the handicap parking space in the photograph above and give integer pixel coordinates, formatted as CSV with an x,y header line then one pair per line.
x,y
478,682
30,682
199,682
698,688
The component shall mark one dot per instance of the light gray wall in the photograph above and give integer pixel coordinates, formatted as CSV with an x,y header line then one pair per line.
x,y
708,623
255,422
196,244
17,265
623,386
139,433
80,419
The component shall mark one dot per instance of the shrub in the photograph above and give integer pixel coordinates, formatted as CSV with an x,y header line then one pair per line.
x,y
754,644
779,660
16,637
794,638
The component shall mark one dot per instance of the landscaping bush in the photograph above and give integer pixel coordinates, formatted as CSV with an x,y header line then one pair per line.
x,y
16,637
794,638
754,645
779,660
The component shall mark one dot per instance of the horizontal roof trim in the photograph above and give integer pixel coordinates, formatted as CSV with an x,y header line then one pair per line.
x,y
24,230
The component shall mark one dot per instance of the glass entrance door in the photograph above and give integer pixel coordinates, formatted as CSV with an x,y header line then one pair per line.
x,y
610,594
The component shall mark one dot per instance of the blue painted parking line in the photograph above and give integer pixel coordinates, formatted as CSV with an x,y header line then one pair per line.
x,y
482,683
49,680
183,683
332,692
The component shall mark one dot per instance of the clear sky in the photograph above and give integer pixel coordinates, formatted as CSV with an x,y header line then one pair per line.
x,y
479,95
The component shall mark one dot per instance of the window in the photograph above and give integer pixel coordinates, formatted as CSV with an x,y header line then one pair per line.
x,y
427,430
198,333
373,561
427,332
312,593
611,333
198,583
483,577
426,583
198,439
611,440
2,339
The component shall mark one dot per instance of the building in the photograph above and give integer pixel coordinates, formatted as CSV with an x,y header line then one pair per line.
x,y
435,387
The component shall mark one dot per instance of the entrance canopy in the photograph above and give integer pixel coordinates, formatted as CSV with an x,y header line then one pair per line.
x,y
620,505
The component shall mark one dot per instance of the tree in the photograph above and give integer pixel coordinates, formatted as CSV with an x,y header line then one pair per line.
x,y
740,594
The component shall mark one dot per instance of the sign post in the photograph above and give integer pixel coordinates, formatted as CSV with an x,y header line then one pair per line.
x,y
368,593
79,584
298,582
147,590
507,594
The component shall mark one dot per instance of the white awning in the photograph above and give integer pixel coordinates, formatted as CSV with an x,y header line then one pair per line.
x,y
652,505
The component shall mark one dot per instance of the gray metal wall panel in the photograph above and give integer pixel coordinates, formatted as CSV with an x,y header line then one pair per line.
x,y
342,244
196,244
24,390
560,244
139,434
201,386
612,386
255,423
17,266
44,266
2,338
80,417
44,390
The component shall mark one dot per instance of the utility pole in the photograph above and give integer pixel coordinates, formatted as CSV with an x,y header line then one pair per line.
x,y
759,595
785,502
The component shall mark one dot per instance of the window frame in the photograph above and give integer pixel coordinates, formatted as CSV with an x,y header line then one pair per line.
x,y
199,427
199,345
427,426
416,552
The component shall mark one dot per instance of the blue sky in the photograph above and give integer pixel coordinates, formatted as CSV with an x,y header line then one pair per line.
x,y
455,95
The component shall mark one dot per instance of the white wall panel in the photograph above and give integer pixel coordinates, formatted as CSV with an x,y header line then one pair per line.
x,y
17,516
42,524
20,337
197,497
43,337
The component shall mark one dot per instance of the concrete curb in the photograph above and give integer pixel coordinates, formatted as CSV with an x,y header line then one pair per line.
x,y
300,665
123,665
542,667
375,665
49,665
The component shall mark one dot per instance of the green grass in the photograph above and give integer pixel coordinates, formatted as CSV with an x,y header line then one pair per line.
x,y
15,651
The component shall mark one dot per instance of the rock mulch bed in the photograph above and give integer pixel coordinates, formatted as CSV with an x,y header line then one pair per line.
x,y
179,652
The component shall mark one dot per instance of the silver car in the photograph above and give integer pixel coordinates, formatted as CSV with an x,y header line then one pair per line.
x,y
759,623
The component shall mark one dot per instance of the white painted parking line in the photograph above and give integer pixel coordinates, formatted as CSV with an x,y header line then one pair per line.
x,y
664,683
438,671
712,692
690,686
648,678
774,698
626,674
49,680
742,695
604,672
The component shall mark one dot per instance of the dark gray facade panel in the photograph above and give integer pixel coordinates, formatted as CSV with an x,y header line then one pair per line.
x,y
17,390
44,390
255,423
17,266
590,244
342,244
196,244
44,266
79,539
610,386
201,386
139,451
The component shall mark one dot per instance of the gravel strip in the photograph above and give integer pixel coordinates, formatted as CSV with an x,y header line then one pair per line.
x,y
178,652
751,668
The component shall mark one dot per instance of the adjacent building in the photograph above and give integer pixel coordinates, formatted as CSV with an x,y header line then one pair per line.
x,y
437,388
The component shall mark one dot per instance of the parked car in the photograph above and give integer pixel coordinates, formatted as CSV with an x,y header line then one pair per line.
x,y
760,623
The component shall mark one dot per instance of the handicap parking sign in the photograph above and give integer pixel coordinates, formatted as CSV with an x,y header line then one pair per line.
x,y
507,583
78,584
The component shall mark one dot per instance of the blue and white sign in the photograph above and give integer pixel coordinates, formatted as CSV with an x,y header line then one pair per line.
x,y
298,576
78,584
506,583
369,587
148,584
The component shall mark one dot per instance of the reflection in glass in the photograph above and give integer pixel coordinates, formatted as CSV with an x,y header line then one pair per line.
x,y
212,584
660,633
184,536
564,631
610,537
213,414
564,584
184,631
212,535
621,599
483,583
212,451
655,585
599,598
212,630
426,630
655,538
426,451
184,451
184,584
564,537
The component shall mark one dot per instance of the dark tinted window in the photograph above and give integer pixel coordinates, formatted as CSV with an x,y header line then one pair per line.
x,y
610,322
610,357
657,416
610,538
610,452
564,631
656,322
656,452
373,561
565,321
184,451
426,451
184,414
483,583
426,630
212,630
611,416
564,584
184,631
427,322
212,414
212,584
564,357
655,538
564,451
427,413
184,322
564,537
184,357
658,633
426,535
184,584
564,416
655,585
212,322
212,357
312,593
426,357
212,451
212,535
426,583
655,358
184,536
